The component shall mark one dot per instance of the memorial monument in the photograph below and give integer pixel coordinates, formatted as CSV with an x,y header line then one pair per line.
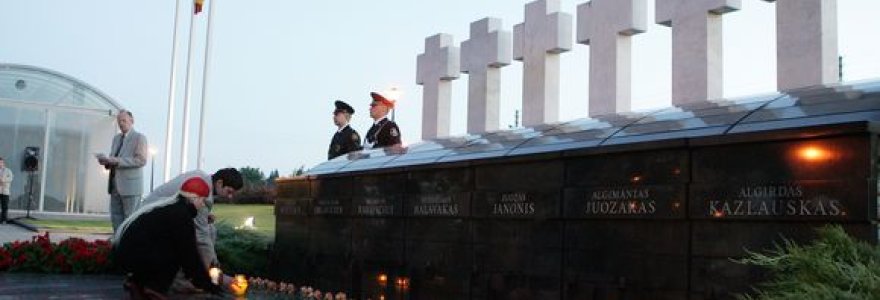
x,y
620,205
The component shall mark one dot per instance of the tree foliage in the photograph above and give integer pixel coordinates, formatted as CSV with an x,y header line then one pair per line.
x,y
272,176
256,188
252,177
834,266
299,171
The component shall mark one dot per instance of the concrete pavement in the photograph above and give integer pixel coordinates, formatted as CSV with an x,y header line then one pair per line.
x,y
12,232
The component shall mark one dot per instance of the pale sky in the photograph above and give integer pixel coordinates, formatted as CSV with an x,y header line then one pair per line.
x,y
277,65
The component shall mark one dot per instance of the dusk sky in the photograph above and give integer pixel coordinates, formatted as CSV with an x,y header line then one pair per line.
x,y
277,65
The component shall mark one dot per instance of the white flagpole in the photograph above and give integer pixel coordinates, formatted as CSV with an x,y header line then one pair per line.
x,y
200,159
169,126
184,147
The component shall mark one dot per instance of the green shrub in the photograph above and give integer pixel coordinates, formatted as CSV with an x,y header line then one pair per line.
x,y
242,251
834,266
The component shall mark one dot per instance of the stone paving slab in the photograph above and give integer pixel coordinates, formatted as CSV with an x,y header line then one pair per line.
x,y
68,286
43,286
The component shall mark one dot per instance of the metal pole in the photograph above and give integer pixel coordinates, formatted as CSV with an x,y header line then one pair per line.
x,y
184,147
169,126
200,159
152,171
50,117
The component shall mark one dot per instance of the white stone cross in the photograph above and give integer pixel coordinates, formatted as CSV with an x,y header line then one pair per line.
x,y
435,69
606,25
696,46
482,56
806,43
537,42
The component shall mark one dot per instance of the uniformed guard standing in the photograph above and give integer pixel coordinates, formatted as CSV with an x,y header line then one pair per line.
x,y
346,138
384,132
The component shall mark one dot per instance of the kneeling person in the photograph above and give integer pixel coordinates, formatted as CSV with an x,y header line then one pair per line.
x,y
224,183
159,239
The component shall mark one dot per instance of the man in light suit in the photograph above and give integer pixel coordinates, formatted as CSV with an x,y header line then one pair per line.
x,y
128,155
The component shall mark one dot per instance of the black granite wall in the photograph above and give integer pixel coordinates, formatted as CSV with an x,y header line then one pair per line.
x,y
645,222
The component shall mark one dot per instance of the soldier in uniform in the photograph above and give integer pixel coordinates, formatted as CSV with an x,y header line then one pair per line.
x,y
346,138
384,132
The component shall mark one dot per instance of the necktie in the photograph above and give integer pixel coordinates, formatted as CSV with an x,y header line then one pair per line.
x,y
119,148
112,185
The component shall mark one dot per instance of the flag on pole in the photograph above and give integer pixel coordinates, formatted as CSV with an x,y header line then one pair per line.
x,y
198,6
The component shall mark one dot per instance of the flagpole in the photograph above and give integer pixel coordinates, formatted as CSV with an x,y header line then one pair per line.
x,y
200,159
184,147
169,126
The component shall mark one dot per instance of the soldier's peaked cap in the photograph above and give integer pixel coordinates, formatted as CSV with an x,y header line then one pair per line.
x,y
379,98
343,107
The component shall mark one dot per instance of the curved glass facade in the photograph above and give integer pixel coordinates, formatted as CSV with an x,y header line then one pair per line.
x,y
820,105
68,121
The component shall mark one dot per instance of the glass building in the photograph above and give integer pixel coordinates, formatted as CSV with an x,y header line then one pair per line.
x,y
67,121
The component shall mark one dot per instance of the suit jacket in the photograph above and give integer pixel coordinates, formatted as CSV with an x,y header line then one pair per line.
x,y
129,175
343,142
5,181
383,134
205,233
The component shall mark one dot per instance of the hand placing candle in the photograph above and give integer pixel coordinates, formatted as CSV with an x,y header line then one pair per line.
x,y
215,275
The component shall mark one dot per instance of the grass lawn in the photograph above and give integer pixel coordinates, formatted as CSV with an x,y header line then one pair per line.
x,y
234,214
90,226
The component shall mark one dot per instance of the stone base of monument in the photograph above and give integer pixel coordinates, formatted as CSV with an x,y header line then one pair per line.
x,y
623,207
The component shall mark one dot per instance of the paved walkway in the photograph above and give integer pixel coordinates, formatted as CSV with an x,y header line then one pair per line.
x,y
41,286
12,232
54,286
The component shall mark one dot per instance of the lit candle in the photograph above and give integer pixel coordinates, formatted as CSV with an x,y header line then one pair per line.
x,y
239,286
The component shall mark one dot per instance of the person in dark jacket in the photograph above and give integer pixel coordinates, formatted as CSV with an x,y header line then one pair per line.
x,y
159,239
384,132
346,138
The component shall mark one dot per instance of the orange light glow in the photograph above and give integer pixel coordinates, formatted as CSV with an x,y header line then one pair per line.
x,y
812,153
636,178
402,282
383,279
239,286
718,214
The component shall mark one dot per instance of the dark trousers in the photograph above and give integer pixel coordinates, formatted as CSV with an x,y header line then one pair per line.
x,y
4,207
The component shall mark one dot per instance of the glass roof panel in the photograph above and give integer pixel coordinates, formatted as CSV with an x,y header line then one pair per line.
x,y
834,104
815,106
580,133
690,120
37,85
497,143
